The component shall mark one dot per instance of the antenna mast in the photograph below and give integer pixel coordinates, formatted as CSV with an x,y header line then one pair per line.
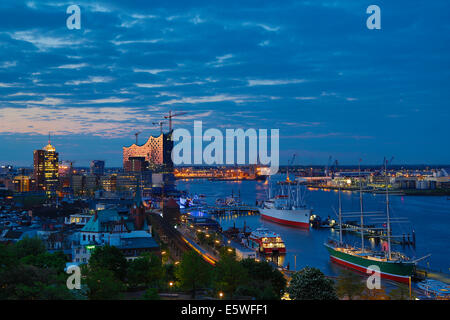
x,y
387,210
361,206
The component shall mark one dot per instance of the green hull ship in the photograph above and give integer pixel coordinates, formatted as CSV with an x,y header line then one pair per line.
x,y
391,265
397,270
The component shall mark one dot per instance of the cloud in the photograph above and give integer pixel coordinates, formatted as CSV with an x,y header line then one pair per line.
x,y
106,122
91,79
118,43
221,60
259,82
208,99
8,64
106,100
305,98
8,85
73,66
149,85
44,42
151,71
44,102
263,26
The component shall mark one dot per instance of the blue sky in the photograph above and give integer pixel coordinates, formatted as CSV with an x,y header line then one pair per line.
x,y
310,68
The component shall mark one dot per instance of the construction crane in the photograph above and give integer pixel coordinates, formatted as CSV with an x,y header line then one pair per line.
x,y
335,166
160,124
170,116
290,163
136,134
327,168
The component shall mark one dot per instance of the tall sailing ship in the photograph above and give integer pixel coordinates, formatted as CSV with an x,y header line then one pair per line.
x,y
287,208
392,265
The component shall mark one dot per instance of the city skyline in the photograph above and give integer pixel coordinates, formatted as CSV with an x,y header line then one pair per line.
x,y
312,70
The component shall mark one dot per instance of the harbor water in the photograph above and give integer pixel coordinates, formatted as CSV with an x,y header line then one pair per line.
x,y
428,216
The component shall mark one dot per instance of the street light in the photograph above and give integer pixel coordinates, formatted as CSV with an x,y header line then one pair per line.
x,y
220,294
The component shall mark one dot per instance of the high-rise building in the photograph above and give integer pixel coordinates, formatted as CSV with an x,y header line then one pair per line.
x,y
22,183
97,167
46,166
39,166
157,152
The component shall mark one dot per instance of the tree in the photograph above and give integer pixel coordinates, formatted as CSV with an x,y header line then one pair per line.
x,y
151,294
103,285
400,293
193,272
56,261
349,285
146,269
26,282
8,257
229,274
109,258
265,282
311,284
29,247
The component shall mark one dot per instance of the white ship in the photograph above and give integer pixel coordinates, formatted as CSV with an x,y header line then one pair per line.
x,y
287,208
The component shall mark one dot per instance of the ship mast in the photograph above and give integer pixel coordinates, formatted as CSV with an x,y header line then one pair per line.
x,y
387,210
340,217
361,207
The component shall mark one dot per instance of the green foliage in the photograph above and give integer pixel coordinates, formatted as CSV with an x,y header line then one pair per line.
x,y
26,282
145,270
8,257
56,261
103,285
27,271
230,274
265,282
349,285
151,294
193,273
109,258
29,247
311,284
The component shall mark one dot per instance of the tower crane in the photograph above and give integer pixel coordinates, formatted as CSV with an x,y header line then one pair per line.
x,y
290,163
327,168
160,124
136,135
170,116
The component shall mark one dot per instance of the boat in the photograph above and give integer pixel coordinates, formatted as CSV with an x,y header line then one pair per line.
x,y
287,208
265,241
392,265
434,288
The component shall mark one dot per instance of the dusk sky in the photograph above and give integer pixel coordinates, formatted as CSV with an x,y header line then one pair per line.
x,y
309,68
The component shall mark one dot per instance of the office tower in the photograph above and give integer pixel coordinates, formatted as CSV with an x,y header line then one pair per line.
x,y
97,167
46,166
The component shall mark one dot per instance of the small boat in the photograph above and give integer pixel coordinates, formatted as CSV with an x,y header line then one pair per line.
x,y
266,242
434,288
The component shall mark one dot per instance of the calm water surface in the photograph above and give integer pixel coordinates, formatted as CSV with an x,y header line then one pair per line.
x,y
429,217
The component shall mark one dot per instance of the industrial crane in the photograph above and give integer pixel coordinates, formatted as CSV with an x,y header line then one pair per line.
x,y
170,116
160,124
136,134
290,163
327,168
